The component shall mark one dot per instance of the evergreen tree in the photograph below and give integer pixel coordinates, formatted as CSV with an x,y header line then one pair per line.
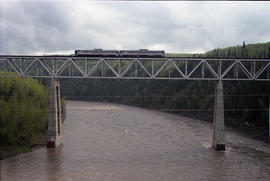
x,y
234,52
244,44
244,50
229,53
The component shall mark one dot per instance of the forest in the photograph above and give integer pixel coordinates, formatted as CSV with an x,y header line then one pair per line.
x,y
23,114
246,102
259,50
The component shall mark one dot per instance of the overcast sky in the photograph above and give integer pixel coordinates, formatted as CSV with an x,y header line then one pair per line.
x,y
49,26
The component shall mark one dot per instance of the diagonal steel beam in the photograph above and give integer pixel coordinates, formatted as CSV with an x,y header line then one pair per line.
x,y
14,68
161,68
248,74
82,72
27,68
44,66
177,68
228,69
139,62
261,70
201,61
211,69
61,69
127,69
112,69
94,68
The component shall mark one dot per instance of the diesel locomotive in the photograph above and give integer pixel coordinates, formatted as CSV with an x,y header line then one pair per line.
x,y
120,53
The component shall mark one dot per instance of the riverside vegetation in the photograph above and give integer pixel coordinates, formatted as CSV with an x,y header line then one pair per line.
x,y
23,114
246,102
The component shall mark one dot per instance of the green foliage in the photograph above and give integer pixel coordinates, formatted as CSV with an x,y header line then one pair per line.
x,y
23,111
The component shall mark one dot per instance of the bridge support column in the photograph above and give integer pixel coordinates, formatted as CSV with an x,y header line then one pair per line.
x,y
269,121
218,127
55,119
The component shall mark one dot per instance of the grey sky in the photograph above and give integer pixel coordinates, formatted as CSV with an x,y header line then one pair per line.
x,y
49,26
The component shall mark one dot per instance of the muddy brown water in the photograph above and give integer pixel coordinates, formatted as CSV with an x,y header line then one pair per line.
x,y
104,141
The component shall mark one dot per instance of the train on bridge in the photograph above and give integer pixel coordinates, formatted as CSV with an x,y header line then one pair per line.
x,y
120,53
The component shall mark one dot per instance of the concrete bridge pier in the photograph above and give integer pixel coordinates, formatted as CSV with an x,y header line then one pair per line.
x,y
55,119
218,127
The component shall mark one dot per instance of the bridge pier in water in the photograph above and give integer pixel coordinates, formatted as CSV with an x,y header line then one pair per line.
x,y
218,124
55,120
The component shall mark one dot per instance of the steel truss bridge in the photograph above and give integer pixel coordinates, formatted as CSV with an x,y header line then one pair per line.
x,y
56,67
134,68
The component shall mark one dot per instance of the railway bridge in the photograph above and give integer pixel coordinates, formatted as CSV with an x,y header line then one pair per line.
x,y
171,68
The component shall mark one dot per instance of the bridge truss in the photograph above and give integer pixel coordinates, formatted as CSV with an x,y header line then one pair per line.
x,y
134,68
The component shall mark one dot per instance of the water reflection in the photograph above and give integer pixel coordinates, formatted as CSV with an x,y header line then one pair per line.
x,y
54,163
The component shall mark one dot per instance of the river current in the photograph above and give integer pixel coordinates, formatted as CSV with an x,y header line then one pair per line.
x,y
104,142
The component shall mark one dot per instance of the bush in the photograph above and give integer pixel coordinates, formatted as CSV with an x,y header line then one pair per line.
x,y
23,111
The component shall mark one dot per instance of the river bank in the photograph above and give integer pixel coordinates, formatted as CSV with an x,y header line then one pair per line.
x,y
13,150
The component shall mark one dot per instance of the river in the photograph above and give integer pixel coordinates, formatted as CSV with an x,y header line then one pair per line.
x,y
104,142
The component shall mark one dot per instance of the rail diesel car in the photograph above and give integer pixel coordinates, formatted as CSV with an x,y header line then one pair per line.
x,y
120,53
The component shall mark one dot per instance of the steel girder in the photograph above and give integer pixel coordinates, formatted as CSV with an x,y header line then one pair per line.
x,y
134,68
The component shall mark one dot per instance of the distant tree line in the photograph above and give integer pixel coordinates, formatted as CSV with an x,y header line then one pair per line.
x,y
259,50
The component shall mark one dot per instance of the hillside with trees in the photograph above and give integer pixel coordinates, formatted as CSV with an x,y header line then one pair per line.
x,y
259,50
246,102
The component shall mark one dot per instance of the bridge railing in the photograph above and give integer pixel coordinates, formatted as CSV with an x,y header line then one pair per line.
x,y
135,68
